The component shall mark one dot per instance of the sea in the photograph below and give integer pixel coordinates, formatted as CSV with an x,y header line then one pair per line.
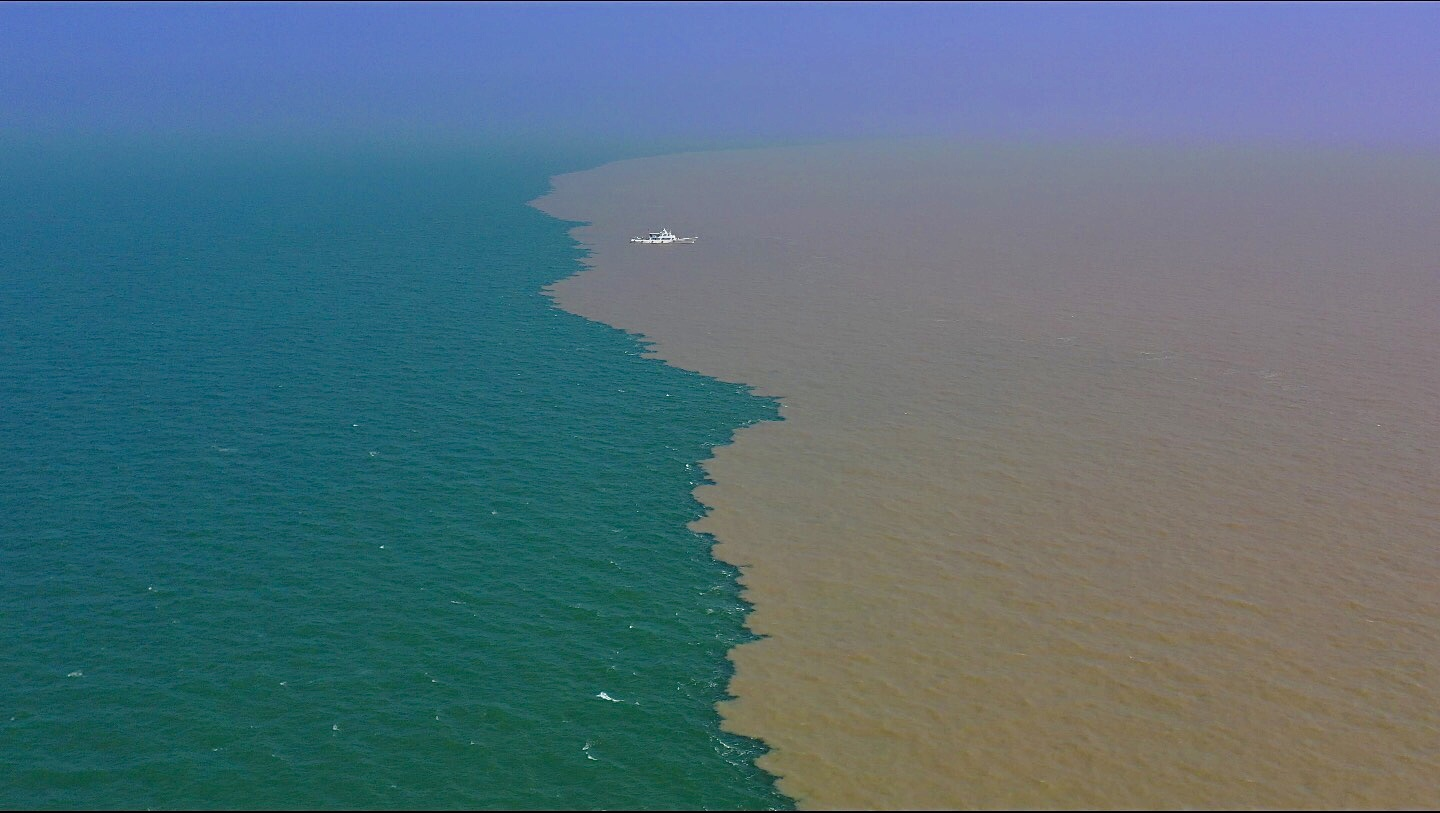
x,y
310,497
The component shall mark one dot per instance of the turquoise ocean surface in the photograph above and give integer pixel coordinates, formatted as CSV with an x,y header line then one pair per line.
x,y
310,497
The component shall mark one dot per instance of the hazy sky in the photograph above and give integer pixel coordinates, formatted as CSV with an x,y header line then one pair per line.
x,y
1330,73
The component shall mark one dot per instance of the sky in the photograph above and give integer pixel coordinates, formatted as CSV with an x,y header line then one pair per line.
x,y
1328,73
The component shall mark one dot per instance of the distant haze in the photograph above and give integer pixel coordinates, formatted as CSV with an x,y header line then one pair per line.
x,y
1333,74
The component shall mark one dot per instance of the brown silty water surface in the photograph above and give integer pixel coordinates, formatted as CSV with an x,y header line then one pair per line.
x,y
1108,478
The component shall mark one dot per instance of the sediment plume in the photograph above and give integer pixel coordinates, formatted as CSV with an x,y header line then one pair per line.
x,y
1108,477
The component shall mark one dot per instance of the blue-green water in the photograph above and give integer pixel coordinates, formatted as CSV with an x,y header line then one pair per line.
x,y
310,498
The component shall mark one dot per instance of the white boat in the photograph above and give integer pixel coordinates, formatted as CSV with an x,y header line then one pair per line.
x,y
663,237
